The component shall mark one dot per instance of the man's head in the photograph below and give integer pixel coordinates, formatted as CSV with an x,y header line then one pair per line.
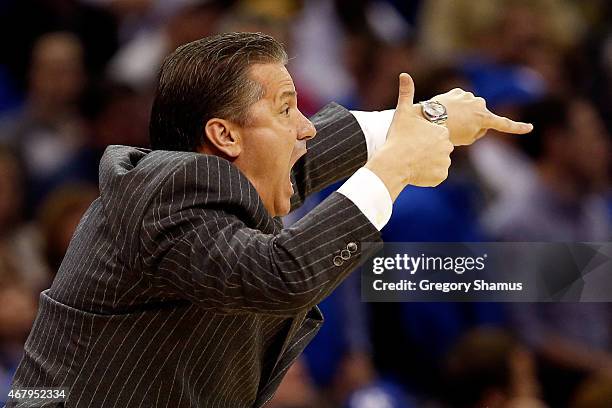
x,y
230,95
488,367
570,136
57,73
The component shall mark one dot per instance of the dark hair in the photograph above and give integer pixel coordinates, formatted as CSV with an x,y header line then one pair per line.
x,y
100,96
477,363
204,79
546,115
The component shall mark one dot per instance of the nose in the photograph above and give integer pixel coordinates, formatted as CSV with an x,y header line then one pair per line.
x,y
306,130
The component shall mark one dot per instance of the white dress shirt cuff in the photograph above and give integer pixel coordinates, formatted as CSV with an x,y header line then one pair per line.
x,y
367,191
374,126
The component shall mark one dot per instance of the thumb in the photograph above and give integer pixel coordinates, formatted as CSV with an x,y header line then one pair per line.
x,y
406,90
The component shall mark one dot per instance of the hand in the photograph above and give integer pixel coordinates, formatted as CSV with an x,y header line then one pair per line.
x,y
416,151
469,119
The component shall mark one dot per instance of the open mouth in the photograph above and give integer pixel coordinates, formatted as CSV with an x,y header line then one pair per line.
x,y
291,185
299,152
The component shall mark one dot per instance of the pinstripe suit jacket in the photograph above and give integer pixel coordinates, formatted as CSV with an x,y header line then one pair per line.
x,y
180,290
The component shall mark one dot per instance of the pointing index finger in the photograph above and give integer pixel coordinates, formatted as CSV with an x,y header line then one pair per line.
x,y
506,125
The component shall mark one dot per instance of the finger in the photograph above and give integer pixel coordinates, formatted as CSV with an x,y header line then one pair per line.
x,y
506,125
406,90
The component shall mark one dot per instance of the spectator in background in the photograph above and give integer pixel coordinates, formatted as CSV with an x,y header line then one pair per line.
x,y
20,240
318,37
340,356
17,313
115,113
9,97
513,52
571,150
489,368
500,30
297,390
59,216
373,80
23,22
48,131
137,62
136,16
590,65
423,332
594,392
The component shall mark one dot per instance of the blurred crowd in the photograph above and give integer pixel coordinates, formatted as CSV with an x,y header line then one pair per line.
x,y
79,75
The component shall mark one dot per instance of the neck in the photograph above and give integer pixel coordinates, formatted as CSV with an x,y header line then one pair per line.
x,y
260,185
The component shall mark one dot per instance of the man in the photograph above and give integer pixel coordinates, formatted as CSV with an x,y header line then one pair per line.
x,y
562,202
46,133
180,287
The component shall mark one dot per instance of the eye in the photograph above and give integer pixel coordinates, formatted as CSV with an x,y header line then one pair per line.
x,y
286,111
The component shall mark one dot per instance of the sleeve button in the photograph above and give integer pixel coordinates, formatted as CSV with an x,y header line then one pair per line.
x,y
352,247
338,261
345,254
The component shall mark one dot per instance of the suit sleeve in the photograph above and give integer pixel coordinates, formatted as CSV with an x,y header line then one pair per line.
x,y
338,150
212,258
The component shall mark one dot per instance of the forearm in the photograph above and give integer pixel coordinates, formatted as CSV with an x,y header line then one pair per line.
x,y
346,141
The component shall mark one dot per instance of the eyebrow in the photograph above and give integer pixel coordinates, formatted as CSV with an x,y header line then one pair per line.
x,y
287,94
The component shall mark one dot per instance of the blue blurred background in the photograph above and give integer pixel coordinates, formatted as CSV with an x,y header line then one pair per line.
x,y
78,75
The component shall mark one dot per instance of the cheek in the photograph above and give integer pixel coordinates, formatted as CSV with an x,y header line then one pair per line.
x,y
281,144
268,155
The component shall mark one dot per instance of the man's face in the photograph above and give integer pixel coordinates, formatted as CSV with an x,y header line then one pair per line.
x,y
588,144
274,137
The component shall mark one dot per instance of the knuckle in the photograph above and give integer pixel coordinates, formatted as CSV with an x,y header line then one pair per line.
x,y
401,109
440,177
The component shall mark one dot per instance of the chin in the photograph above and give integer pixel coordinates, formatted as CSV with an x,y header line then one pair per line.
x,y
283,208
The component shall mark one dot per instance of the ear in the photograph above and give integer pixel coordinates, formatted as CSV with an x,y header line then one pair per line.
x,y
224,137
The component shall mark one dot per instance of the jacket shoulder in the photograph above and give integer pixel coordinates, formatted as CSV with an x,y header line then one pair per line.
x,y
207,182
